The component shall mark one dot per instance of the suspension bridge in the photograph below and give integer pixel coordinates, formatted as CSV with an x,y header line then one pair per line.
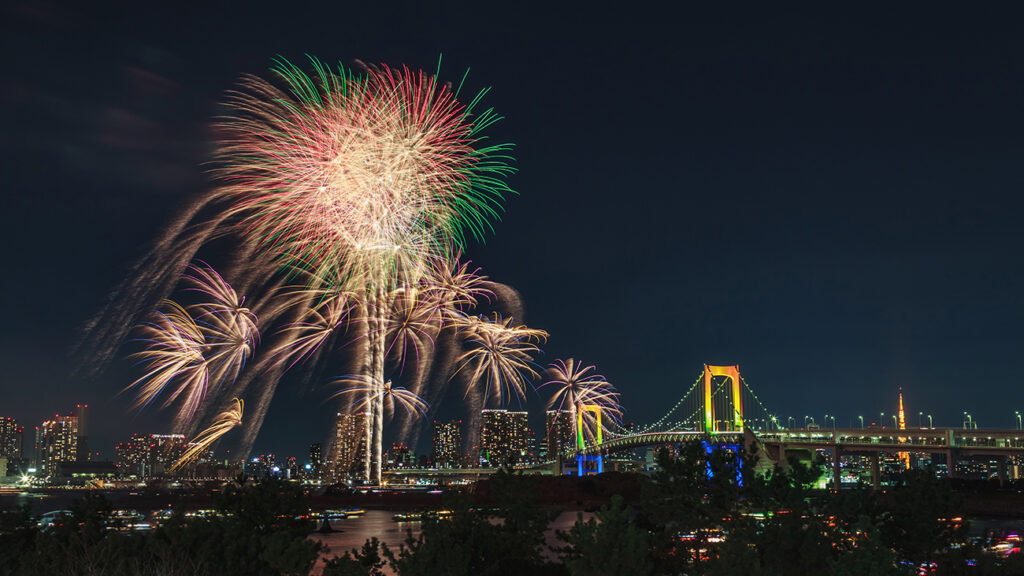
x,y
719,404
721,408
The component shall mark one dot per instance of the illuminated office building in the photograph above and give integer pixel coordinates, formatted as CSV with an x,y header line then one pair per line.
x,y
400,456
349,449
132,457
316,461
165,450
447,444
559,435
147,455
504,438
57,442
82,452
12,439
12,445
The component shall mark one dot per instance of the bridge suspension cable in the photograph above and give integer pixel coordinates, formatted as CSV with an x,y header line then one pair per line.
x,y
689,412
658,424
769,417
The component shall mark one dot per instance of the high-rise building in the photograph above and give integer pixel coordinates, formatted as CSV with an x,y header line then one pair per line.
x,y
12,444
399,456
559,435
148,455
349,449
132,457
58,442
82,453
504,438
37,449
165,450
316,460
12,438
447,444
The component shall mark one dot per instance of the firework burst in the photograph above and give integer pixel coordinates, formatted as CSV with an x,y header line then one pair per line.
x,y
174,359
361,180
500,356
328,315
577,385
222,424
455,287
363,176
367,393
193,349
230,328
367,186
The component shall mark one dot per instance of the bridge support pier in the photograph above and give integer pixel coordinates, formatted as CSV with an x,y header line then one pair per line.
x,y
783,462
876,481
1001,466
951,463
836,475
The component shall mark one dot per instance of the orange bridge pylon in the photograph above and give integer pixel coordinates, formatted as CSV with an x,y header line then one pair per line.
x,y
710,417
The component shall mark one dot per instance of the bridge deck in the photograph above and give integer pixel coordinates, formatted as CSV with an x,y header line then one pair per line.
x,y
848,440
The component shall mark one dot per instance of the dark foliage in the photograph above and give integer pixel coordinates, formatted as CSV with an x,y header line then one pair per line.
x,y
256,534
702,513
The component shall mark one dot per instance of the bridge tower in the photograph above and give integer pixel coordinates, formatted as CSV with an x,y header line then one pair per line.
x,y
582,458
733,402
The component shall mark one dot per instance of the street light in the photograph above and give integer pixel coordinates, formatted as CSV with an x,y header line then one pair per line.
x,y
1020,425
930,421
861,418
969,422
894,422
806,418
919,414
789,422
881,419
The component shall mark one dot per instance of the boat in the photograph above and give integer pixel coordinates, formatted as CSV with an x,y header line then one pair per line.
x,y
434,515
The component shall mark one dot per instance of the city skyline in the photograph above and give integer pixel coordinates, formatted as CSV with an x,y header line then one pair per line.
x,y
349,446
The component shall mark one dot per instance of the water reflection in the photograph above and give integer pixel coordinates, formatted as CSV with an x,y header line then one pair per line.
x,y
354,531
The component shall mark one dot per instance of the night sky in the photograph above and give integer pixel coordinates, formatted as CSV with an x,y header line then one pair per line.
x,y
830,199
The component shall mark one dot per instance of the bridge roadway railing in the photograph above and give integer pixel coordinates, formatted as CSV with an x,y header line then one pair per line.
x,y
978,441
921,439
630,441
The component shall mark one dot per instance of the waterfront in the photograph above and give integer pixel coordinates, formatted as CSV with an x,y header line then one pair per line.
x,y
352,532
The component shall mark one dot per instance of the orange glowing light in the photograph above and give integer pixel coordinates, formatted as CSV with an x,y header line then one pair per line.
x,y
733,374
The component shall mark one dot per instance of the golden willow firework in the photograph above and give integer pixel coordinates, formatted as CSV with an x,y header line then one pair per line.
x,y
174,359
500,355
575,386
455,288
191,349
328,316
366,394
410,326
231,328
222,424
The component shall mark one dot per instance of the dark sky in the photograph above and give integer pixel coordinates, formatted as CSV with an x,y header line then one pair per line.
x,y
830,199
